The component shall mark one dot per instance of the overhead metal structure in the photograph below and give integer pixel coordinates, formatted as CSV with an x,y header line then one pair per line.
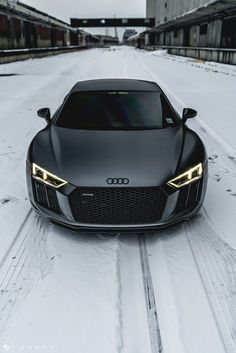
x,y
112,22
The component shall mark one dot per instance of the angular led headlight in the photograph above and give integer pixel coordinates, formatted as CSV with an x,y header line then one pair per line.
x,y
46,177
188,177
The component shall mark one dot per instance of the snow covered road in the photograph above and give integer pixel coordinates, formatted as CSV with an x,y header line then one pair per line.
x,y
63,292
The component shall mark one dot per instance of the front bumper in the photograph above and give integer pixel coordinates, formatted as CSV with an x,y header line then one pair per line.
x,y
178,205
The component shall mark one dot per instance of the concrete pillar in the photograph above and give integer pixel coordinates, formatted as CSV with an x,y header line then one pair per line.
x,y
181,37
194,36
214,33
161,40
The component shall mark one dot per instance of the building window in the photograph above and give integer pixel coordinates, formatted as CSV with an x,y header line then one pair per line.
x,y
175,34
165,4
203,28
165,18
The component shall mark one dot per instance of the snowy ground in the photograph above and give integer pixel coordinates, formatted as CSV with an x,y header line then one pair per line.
x,y
61,292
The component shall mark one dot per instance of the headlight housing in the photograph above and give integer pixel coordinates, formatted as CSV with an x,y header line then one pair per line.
x,y
188,177
43,175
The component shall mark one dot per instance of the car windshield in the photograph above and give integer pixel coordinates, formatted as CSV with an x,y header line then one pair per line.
x,y
115,110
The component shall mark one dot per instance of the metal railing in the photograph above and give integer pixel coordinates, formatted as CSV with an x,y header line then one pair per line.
x,y
222,55
23,51
10,55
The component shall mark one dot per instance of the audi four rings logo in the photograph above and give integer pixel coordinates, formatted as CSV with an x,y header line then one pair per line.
x,y
118,181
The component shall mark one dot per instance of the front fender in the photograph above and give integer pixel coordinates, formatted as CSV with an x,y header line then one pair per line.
x,y
193,151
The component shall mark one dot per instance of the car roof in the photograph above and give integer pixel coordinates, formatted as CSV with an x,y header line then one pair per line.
x,y
115,84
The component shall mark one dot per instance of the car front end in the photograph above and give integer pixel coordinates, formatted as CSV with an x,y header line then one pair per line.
x,y
117,208
116,157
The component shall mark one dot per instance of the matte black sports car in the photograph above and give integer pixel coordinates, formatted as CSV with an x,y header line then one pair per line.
x,y
116,156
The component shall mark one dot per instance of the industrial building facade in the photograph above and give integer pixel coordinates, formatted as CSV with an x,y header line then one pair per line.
x,y
192,23
22,26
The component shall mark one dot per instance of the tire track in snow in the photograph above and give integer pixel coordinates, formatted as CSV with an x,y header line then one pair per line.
x,y
133,324
215,260
154,328
19,238
21,268
11,265
119,297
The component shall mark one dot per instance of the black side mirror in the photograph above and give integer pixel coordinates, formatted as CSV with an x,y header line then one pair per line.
x,y
188,113
45,113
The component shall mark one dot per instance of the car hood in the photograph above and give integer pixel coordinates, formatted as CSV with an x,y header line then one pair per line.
x,y
89,158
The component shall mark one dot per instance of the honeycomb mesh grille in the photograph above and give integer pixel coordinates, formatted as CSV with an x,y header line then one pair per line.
x,y
113,205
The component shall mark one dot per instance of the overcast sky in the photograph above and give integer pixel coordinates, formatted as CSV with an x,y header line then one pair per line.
x,y
64,9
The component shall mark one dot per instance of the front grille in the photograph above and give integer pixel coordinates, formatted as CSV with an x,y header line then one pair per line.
x,y
46,196
189,195
114,205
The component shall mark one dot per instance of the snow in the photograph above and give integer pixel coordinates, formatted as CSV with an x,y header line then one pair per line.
x,y
64,292
66,295
182,304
